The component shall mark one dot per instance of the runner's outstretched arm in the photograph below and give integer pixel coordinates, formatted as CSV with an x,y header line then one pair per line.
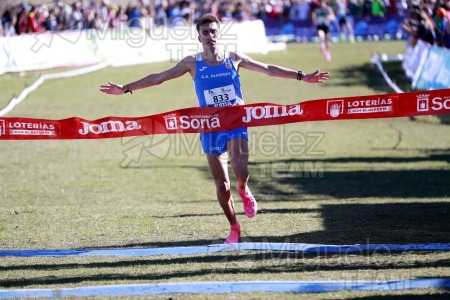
x,y
178,70
277,71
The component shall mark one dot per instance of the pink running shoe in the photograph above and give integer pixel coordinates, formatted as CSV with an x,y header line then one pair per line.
x,y
328,55
250,205
235,233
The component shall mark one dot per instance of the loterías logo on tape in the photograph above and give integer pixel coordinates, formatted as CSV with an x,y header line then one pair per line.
x,y
335,108
32,128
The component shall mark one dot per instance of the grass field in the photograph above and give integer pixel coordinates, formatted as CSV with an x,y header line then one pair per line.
x,y
346,182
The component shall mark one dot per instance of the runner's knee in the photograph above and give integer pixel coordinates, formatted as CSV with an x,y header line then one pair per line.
x,y
222,186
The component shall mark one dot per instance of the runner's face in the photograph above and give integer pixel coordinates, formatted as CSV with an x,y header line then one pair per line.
x,y
208,34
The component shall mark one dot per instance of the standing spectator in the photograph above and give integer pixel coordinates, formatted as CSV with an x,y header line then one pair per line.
x,y
161,18
22,19
258,9
239,13
273,9
203,8
92,20
33,24
402,7
76,17
134,15
285,11
300,10
182,14
354,8
173,10
419,27
51,23
447,27
378,8
427,28
111,15
103,12
147,20
8,21
224,12
186,11
440,21
64,16
366,7
121,18
392,7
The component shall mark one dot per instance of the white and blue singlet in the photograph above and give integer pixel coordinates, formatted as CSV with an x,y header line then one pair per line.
x,y
218,86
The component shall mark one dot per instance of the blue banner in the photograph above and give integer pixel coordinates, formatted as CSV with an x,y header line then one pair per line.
x,y
434,71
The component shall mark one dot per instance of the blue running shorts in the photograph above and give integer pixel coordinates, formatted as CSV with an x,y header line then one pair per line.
x,y
216,142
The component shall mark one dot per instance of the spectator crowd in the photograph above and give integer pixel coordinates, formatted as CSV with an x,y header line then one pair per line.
x,y
425,19
429,21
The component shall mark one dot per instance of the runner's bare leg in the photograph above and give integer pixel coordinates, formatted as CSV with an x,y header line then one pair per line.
x,y
219,171
238,151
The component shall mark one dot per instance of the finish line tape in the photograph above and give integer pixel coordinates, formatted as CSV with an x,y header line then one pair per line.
x,y
191,250
230,287
193,120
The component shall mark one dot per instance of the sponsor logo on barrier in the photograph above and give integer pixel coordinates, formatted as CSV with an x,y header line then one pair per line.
x,y
108,126
335,108
367,106
270,111
191,122
28,128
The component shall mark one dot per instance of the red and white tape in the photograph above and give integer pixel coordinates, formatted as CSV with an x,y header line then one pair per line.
x,y
193,120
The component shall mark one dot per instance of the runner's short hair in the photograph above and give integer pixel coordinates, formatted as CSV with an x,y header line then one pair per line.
x,y
206,19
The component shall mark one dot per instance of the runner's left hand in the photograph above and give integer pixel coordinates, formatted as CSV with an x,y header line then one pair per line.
x,y
316,77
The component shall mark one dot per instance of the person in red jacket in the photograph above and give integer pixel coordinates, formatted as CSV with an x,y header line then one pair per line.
x,y
33,24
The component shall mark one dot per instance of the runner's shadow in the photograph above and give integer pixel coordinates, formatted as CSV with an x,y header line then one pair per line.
x,y
400,205
376,183
302,177
385,223
429,155
369,75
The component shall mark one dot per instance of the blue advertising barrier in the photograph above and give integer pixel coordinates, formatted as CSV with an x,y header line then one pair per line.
x,y
434,69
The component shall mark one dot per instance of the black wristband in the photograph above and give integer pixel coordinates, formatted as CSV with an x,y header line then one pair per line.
x,y
299,75
128,90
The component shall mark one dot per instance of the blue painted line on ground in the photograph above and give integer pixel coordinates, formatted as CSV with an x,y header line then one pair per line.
x,y
230,287
190,250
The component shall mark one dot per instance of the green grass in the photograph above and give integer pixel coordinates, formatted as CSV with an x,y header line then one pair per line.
x,y
345,182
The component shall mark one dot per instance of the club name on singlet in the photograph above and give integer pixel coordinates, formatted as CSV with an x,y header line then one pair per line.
x,y
216,75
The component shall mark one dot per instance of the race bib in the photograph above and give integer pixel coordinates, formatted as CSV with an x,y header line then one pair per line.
x,y
221,96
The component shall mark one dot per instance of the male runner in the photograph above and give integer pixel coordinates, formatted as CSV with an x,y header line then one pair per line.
x,y
217,83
